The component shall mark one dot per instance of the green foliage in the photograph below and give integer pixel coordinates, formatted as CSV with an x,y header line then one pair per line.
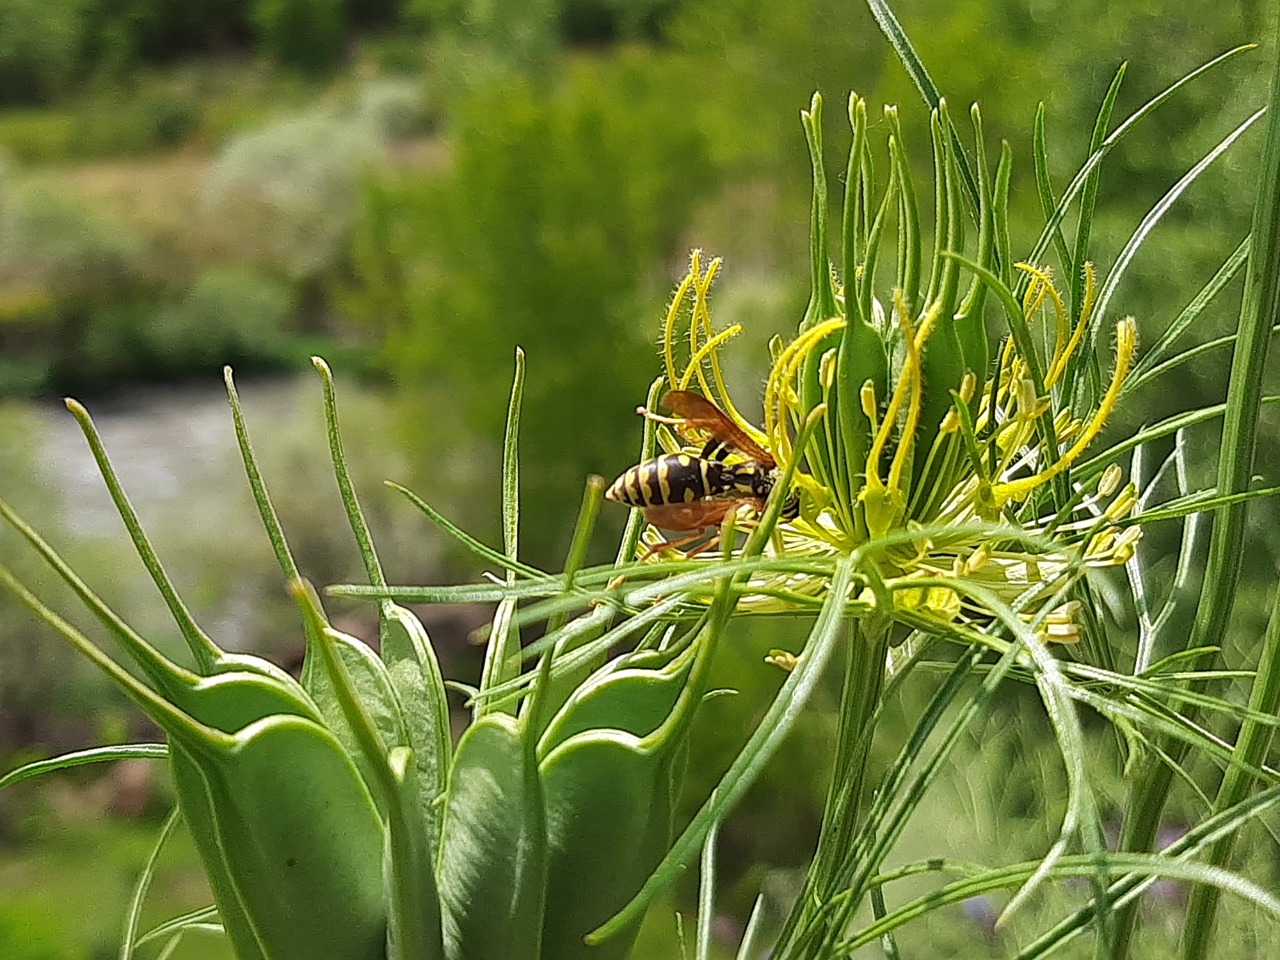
x,y
544,235
306,34
303,798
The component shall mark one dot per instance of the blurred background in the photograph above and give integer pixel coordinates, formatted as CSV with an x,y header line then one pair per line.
x,y
411,188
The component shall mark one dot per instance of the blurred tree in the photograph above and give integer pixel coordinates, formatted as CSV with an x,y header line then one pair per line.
x,y
550,233
307,34
40,46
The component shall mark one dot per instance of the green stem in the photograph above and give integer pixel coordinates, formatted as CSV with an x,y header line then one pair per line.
x,y
859,700
1258,312
1250,750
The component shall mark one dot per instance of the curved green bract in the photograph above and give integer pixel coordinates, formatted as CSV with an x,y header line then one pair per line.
x,y
492,872
414,673
291,839
123,751
630,700
609,820
373,688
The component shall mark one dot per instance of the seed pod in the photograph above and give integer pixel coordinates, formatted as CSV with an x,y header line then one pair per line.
x,y
373,688
861,356
284,823
943,362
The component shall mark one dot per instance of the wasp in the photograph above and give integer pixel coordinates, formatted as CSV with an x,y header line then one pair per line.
x,y
691,494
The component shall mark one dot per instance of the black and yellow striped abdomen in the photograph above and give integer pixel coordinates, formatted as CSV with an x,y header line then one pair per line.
x,y
672,478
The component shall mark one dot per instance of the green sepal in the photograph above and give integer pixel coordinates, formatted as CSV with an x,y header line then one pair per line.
x,y
861,358
415,677
253,798
609,800
261,687
413,909
290,838
198,813
492,873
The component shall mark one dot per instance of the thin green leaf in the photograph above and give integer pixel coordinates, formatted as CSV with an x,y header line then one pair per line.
x,y
346,489
1252,743
1048,203
481,550
270,521
502,652
707,895
124,751
1079,181
1100,461
897,37
1151,359
134,914
1088,198
202,648
1185,357
1156,214
1128,888
511,464
1153,865
200,919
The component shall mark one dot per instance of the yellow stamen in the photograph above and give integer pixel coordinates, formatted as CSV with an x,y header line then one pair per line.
x,y
707,349
1126,345
907,439
700,318
1059,366
778,392
673,313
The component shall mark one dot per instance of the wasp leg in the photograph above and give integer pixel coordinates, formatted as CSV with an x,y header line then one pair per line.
x,y
713,542
675,545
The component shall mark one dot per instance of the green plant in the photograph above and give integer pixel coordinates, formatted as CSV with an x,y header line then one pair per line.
x,y
229,314
960,506
292,186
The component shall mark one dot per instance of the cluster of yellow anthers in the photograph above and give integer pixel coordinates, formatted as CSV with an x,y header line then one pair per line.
x,y
988,480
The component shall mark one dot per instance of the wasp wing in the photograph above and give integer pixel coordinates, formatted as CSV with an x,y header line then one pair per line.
x,y
702,414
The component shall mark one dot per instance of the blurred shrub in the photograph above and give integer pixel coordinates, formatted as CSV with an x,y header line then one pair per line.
x,y
307,34
101,127
67,264
554,231
230,315
395,108
53,241
290,190
40,46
